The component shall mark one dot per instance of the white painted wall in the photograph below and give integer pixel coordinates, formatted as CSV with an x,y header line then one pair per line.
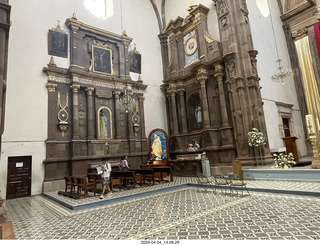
x,y
267,44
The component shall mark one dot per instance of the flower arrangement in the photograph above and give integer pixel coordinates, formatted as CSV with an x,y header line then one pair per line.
x,y
284,161
256,138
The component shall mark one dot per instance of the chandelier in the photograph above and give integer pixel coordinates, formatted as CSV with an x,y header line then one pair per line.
x,y
282,75
126,102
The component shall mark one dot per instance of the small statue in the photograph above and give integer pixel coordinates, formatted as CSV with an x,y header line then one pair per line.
x,y
194,146
190,148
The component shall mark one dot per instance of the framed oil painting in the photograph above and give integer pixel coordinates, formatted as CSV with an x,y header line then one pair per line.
x,y
102,60
135,62
57,44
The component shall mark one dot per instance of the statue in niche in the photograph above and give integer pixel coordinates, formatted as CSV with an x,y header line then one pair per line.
x,y
104,123
156,147
198,114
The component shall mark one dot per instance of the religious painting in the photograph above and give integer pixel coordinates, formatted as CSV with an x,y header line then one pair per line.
x,y
102,60
190,45
135,62
57,44
104,123
158,144
195,112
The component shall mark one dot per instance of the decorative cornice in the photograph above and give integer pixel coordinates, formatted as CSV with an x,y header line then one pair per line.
x,y
75,25
51,87
300,32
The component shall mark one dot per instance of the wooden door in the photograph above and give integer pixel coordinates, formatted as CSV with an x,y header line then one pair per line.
x,y
19,177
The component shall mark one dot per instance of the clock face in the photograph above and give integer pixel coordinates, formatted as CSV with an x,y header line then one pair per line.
x,y
190,46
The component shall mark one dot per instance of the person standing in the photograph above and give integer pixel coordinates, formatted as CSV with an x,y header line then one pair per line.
x,y
105,175
124,165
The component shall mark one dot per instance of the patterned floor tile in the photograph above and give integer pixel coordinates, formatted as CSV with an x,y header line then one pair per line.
x,y
185,214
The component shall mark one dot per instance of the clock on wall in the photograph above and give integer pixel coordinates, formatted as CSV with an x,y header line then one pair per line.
x,y
190,46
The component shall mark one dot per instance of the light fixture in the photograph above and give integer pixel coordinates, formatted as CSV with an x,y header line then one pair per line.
x,y
126,102
282,75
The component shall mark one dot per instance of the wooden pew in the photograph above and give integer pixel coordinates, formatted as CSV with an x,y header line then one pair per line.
x,y
146,173
126,177
164,172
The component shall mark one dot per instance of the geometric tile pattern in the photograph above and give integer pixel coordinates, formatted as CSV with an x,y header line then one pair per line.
x,y
305,186
183,214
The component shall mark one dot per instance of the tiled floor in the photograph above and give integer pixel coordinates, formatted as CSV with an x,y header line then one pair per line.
x,y
188,212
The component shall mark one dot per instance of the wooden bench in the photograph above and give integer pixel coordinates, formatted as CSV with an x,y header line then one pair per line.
x,y
146,174
85,186
164,172
126,177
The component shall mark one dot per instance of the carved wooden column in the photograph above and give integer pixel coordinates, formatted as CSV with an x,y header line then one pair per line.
x,y
75,102
168,95
174,112
91,120
202,76
117,117
51,107
130,124
183,111
142,124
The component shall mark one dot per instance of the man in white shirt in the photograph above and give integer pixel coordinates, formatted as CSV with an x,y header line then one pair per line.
x,y
105,175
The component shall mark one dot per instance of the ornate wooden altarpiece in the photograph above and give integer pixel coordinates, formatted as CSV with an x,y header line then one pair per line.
x,y
85,120
212,87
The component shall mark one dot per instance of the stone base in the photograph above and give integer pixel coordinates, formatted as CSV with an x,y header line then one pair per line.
x,y
55,185
315,165
221,170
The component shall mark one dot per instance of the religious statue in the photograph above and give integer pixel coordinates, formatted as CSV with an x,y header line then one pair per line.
x,y
198,114
194,146
156,147
103,125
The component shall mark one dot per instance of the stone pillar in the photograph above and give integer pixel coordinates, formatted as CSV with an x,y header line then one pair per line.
x,y
218,74
164,52
117,116
202,76
296,74
241,78
142,123
75,102
91,120
174,112
183,111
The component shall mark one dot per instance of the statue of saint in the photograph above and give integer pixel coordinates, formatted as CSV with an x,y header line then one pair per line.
x,y
198,114
103,125
156,147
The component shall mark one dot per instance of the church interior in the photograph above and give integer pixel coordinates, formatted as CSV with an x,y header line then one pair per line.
x,y
204,99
